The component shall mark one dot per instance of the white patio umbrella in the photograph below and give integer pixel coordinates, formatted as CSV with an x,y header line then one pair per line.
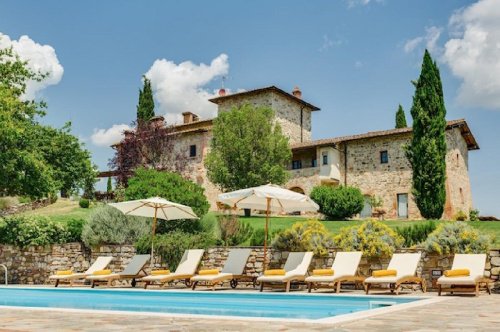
x,y
156,208
271,198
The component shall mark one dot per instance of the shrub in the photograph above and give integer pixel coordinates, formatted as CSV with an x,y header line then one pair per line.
x,y
107,225
338,202
74,227
24,231
84,203
170,247
149,183
373,238
305,236
24,199
457,238
257,238
7,202
232,231
474,215
416,233
460,216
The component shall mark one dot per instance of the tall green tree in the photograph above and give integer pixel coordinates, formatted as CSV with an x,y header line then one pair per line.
x,y
401,118
35,160
248,149
146,106
427,150
109,186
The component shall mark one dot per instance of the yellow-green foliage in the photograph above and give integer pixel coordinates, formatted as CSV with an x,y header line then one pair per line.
x,y
305,236
457,237
373,238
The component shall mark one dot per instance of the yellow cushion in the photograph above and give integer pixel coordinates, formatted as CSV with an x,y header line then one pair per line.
x,y
205,272
323,272
64,273
159,272
275,272
102,272
384,273
457,273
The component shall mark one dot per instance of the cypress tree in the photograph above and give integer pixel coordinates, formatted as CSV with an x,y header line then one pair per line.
x,y
109,186
145,108
427,150
400,118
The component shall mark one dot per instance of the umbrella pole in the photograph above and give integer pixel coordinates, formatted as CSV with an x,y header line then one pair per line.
x,y
152,239
265,232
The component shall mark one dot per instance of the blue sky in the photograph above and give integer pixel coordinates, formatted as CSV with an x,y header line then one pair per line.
x,y
354,59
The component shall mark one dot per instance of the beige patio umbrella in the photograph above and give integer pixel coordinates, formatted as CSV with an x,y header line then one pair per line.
x,y
156,208
271,198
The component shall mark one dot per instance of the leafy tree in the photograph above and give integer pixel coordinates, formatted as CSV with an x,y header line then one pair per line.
x,y
338,203
109,186
35,160
149,183
145,108
400,118
248,149
427,150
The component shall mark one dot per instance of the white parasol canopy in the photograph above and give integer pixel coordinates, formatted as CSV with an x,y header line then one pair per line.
x,y
156,208
271,198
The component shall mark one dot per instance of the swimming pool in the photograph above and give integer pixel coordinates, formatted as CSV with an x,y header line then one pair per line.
x,y
268,305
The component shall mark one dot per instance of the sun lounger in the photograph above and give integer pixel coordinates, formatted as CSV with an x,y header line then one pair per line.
x,y
295,269
475,264
344,269
132,271
405,266
99,264
185,270
232,271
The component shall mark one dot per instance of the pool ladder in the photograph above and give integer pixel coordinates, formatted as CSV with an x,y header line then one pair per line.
x,y
5,268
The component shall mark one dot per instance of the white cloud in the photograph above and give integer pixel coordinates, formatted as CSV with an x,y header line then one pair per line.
x,y
107,137
182,87
327,43
41,58
473,54
430,39
358,64
354,3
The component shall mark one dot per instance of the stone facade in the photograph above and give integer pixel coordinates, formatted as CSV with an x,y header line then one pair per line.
x,y
294,118
33,265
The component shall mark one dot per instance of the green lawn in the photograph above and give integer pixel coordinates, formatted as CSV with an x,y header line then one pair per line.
x,y
62,210
275,223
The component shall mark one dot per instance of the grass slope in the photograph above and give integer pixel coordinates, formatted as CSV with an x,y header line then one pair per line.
x,y
62,210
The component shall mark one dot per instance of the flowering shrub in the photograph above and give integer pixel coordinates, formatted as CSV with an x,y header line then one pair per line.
x,y
309,236
457,237
373,238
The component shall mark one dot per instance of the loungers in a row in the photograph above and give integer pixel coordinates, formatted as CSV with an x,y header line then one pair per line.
x,y
466,273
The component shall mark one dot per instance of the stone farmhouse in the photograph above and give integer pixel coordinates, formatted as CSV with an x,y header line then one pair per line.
x,y
375,161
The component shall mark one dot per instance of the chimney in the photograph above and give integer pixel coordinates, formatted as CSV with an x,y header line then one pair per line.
x,y
297,93
222,92
157,121
189,117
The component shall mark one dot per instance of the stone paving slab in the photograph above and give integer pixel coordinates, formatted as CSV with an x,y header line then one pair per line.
x,y
459,313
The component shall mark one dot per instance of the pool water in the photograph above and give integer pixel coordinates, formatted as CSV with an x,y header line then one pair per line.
x,y
277,305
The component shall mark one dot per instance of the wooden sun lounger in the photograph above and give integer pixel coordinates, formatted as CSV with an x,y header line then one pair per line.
x,y
133,270
475,263
296,267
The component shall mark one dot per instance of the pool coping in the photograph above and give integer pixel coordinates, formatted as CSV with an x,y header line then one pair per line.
x,y
422,301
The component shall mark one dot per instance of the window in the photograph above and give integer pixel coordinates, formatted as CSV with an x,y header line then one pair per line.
x,y
192,150
458,160
314,162
296,164
462,199
325,159
384,157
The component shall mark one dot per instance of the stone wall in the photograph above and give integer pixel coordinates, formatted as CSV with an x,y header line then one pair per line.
x,y
33,265
288,112
25,207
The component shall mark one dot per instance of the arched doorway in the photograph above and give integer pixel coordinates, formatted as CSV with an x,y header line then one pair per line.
x,y
298,190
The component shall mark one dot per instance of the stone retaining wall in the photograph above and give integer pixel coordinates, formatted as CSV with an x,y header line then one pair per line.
x,y
33,265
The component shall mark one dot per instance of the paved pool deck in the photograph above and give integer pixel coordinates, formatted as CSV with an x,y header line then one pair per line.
x,y
456,313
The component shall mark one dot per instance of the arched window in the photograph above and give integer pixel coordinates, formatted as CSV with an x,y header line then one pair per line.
x,y
462,195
